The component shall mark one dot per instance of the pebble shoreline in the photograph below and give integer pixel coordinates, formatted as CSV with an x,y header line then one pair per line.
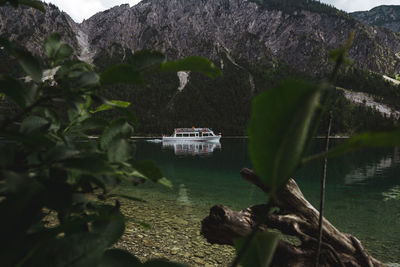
x,y
174,233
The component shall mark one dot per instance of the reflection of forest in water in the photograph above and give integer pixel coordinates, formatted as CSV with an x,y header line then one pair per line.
x,y
367,167
362,196
373,169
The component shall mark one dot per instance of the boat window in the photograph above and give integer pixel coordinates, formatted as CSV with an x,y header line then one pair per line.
x,y
178,135
192,134
185,135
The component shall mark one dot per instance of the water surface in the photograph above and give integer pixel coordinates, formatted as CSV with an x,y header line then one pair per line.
x,y
355,192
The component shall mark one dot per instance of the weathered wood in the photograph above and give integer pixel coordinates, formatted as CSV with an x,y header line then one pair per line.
x,y
296,217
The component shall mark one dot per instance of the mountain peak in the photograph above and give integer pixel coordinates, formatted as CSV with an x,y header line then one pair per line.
x,y
387,16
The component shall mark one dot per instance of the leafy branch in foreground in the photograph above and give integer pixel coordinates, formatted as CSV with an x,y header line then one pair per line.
x,y
58,187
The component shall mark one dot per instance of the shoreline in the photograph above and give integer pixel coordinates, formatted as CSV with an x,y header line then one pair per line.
x,y
238,137
175,231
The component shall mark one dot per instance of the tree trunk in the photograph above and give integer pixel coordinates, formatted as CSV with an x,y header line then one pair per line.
x,y
296,217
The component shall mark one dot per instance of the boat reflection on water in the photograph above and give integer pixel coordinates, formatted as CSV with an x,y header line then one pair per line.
x,y
188,148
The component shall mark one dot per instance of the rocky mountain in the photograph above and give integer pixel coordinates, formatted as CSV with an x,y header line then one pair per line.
x,y
255,43
383,16
247,31
243,29
29,27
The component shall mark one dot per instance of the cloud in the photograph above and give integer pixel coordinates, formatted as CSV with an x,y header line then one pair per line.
x,y
359,5
84,9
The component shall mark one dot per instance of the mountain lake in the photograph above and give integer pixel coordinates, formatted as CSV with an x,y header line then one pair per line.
x,y
362,198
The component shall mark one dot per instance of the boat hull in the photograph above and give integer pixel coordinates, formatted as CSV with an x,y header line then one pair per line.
x,y
191,139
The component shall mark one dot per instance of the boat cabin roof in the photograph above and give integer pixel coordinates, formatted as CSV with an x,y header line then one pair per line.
x,y
192,130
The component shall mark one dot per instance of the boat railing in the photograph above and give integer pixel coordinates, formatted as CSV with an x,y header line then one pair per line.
x,y
191,130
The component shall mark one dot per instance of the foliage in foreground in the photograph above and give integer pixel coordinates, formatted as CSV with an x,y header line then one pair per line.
x,y
58,186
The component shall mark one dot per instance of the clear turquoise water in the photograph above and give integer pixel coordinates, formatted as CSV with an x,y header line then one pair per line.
x,y
354,192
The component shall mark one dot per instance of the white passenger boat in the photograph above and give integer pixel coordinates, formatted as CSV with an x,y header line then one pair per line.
x,y
193,134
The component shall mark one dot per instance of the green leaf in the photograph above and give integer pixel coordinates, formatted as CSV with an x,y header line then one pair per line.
x,y
58,194
110,226
368,140
72,69
88,79
361,141
337,54
146,59
82,248
52,116
78,250
60,152
35,4
64,52
13,89
122,73
165,182
194,63
34,125
110,105
52,44
149,170
129,115
119,128
84,180
30,65
28,62
29,140
89,165
119,258
279,128
119,150
261,250
93,124
22,205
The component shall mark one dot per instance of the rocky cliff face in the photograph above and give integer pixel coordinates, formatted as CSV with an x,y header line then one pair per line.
x,y
244,30
241,30
384,16
29,27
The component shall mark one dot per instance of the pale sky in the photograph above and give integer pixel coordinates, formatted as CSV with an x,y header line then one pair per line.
x,y
359,5
83,9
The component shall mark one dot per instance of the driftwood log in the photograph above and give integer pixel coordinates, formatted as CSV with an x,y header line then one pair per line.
x,y
296,217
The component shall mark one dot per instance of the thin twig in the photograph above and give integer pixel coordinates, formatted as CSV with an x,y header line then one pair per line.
x,y
322,199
